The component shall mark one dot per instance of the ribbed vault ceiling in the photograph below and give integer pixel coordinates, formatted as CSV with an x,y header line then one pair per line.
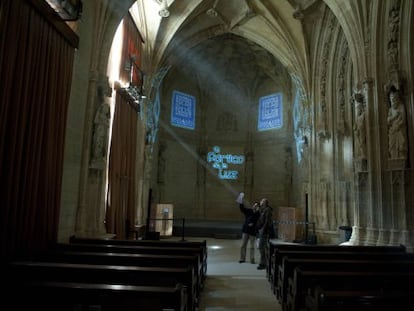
x,y
234,36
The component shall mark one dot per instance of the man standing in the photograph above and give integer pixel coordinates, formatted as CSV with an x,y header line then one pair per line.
x,y
265,227
249,230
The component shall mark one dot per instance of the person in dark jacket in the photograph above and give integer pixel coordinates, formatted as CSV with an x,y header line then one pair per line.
x,y
265,231
249,230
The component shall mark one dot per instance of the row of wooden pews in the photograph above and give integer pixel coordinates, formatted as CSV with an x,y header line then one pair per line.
x,y
108,274
335,277
201,246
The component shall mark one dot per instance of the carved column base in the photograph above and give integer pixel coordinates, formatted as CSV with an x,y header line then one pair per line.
x,y
405,240
383,237
371,237
394,237
357,237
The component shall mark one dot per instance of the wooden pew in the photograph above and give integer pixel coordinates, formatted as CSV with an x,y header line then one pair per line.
x,y
276,245
303,280
126,259
337,264
134,249
201,245
69,296
327,251
332,255
273,245
107,274
319,299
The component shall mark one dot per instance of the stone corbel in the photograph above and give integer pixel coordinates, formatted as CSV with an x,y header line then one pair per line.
x,y
103,88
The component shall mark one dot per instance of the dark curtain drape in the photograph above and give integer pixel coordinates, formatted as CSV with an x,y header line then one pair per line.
x,y
36,72
121,209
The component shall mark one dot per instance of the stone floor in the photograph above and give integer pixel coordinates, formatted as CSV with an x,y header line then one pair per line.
x,y
231,285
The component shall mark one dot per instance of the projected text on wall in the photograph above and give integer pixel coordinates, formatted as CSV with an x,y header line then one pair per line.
x,y
221,162
183,110
270,112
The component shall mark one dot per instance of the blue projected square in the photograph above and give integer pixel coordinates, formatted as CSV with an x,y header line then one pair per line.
x,y
270,112
183,110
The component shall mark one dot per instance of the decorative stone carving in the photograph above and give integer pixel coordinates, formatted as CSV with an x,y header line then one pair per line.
x,y
100,136
154,108
341,126
397,126
393,36
360,132
104,88
394,22
323,109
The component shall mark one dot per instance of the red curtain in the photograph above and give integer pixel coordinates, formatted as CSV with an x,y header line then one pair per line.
x,y
121,209
36,71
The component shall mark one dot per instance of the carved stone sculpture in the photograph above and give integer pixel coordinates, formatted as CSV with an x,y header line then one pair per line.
x,y
360,128
99,140
397,127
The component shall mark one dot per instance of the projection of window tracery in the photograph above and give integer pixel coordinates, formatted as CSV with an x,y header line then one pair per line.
x,y
270,112
183,108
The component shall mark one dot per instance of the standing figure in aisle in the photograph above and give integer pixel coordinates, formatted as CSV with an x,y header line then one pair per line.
x,y
249,229
266,231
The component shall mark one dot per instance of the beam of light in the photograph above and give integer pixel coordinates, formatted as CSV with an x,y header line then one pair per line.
x,y
223,85
201,161
217,77
114,61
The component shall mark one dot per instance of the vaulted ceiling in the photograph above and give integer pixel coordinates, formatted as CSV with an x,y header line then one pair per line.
x,y
237,36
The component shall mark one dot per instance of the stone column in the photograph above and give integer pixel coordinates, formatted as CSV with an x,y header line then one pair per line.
x,y
397,180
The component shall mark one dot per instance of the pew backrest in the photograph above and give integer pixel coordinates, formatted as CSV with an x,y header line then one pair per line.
x,y
338,264
108,274
126,259
201,245
48,295
303,280
277,264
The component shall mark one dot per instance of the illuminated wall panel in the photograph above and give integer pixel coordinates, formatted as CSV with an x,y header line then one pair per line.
x,y
183,109
270,112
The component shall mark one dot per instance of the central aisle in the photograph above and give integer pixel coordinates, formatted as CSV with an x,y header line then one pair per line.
x,y
231,285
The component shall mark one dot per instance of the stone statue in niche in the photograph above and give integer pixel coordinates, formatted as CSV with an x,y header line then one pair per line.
x,y
360,127
100,133
397,126
392,54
